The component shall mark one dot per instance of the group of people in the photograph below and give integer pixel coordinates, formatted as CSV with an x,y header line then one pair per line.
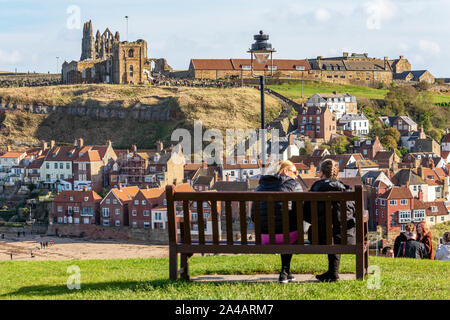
x,y
285,180
416,242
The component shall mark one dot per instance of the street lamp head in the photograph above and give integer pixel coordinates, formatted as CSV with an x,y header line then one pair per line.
x,y
262,50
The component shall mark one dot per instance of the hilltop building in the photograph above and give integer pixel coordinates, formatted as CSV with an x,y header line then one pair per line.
x,y
106,59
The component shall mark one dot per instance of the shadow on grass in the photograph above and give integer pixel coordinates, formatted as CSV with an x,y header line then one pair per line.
x,y
44,290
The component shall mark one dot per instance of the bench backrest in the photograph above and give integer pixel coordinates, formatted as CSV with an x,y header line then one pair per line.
x,y
226,199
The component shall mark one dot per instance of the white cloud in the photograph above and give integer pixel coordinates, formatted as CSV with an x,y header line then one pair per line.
x,y
10,57
377,11
429,47
322,15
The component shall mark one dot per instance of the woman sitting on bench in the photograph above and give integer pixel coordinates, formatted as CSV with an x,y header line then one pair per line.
x,y
284,180
329,170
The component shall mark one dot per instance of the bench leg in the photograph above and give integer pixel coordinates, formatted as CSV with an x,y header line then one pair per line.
x,y
185,266
366,259
360,262
173,263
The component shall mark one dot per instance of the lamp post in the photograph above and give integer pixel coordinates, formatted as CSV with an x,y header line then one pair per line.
x,y
262,51
126,17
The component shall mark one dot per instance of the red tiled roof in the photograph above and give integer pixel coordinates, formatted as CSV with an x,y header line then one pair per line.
x,y
78,196
152,193
12,154
184,187
236,64
125,194
397,193
192,166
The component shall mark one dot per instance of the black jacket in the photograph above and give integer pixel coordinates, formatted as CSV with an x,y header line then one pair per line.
x,y
331,185
280,183
400,238
412,249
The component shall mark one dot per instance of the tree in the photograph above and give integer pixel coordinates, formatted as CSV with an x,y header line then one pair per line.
x,y
394,133
389,142
399,98
340,145
377,130
403,151
369,112
308,149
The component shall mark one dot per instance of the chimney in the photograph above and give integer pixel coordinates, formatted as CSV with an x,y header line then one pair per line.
x,y
385,63
80,142
216,176
291,139
204,164
407,184
422,133
119,186
228,177
134,148
8,148
44,145
420,195
401,57
366,54
345,54
52,144
75,143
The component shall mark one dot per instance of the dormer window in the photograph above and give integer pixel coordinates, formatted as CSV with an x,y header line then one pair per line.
x,y
434,209
86,199
71,198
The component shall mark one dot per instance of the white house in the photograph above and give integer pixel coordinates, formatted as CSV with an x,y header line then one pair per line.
x,y
358,124
339,104
240,168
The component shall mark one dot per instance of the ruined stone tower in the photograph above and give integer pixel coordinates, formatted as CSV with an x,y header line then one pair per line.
x,y
87,44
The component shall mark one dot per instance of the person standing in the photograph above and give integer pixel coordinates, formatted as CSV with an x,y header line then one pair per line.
x,y
285,181
424,236
443,250
411,248
410,227
329,171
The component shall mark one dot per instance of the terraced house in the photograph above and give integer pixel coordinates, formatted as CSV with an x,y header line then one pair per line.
x,y
144,205
76,207
115,206
338,103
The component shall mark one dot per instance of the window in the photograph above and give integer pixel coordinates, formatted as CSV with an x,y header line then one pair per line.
x,y
403,227
134,224
71,198
87,211
144,202
146,225
318,129
131,53
246,68
442,218
117,223
60,220
392,202
117,211
404,216
431,219
131,71
76,220
115,201
419,215
434,209
136,202
105,212
59,209
56,165
134,213
106,222
404,202
299,68
67,166
165,202
146,213
76,209
85,220
47,165
61,165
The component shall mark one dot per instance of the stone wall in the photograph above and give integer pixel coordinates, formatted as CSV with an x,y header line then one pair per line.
x,y
96,232
137,112
28,80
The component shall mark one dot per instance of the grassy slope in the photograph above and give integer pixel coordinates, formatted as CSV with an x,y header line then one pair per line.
x,y
293,91
216,108
148,279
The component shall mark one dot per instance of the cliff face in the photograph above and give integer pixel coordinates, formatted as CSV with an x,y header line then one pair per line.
x,y
124,114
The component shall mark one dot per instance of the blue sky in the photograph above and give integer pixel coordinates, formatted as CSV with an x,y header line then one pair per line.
x,y
33,33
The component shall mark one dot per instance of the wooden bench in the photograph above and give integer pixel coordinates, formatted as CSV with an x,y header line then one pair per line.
x,y
186,247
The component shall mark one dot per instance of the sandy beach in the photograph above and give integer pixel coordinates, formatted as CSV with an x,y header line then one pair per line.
x,y
76,249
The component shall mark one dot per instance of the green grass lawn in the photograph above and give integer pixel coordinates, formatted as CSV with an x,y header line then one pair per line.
x,y
148,279
293,91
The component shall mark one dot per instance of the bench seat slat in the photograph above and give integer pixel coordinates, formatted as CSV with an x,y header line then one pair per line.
x,y
314,223
301,232
259,196
257,217
343,209
328,222
271,221
186,222
215,222
285,222
229,222
269,249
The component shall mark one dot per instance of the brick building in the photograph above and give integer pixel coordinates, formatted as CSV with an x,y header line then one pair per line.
x,y
403,124
316,123
140,208
240,68
77,207
367,147
115,206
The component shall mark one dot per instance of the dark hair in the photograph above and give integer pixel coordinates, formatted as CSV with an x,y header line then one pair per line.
x,y
385,250
330,169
